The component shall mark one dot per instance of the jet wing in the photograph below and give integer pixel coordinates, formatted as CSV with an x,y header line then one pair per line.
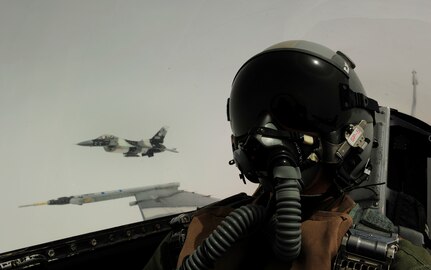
x,y
166,196
150,192
169,200
176,198
133,152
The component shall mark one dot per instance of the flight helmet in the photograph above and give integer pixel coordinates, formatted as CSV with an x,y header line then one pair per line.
x,y
302,98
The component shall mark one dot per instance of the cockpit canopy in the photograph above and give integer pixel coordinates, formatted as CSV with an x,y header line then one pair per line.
x,y
106,136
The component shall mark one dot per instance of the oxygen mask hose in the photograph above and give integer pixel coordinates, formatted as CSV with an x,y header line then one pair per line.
x,y
287,243
236,225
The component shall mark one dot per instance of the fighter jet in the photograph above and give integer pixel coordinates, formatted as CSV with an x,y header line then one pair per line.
x,y
129,148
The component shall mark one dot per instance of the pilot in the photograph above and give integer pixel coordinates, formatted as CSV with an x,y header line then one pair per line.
x,y
303,129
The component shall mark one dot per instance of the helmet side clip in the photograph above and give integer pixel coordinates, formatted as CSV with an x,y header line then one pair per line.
x,y
354,138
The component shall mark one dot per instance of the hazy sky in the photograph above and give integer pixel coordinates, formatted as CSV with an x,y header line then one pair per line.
x,y
73,70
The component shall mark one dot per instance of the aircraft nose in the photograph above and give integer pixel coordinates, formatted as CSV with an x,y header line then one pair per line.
x,y
86,143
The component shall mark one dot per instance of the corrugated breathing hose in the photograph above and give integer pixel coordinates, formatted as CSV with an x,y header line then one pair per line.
x,y
236,225
287,243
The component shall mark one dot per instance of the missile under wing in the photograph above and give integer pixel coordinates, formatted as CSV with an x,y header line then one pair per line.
x,y
164,196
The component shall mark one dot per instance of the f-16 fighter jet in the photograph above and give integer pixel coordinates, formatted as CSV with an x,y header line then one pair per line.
x,y
129,148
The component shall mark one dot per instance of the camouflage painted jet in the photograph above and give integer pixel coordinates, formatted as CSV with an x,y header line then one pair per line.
x,y
129,148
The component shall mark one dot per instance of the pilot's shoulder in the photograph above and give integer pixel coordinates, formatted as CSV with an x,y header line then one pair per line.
x,y
410,256
371,218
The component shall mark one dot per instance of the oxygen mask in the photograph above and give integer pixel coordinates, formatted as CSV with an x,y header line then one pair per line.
x,y
266,147
275,159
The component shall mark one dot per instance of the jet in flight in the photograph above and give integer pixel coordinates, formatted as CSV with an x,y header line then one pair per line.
x,y
129,148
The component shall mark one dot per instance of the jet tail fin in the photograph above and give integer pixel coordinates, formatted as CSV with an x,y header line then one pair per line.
x,y
159,137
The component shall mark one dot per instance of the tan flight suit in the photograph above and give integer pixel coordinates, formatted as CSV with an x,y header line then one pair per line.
x,y
321,239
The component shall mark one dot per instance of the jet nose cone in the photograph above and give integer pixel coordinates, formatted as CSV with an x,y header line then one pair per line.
x,y
86,143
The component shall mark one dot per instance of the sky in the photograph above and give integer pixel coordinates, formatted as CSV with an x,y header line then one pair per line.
x,y
73,70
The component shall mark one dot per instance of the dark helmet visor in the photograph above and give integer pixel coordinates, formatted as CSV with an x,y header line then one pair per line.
x,y
298,90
